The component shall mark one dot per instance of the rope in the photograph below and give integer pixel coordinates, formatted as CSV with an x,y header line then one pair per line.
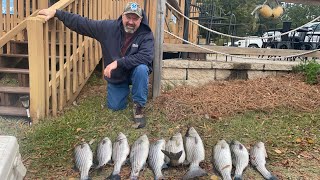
x,y
238,37
242,57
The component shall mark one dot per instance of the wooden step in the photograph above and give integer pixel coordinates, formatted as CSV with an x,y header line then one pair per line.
x,y
14,70
15,90
12,111
22,56
14,55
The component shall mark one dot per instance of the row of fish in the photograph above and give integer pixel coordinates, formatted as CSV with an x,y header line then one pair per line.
x,y
174,152
225,156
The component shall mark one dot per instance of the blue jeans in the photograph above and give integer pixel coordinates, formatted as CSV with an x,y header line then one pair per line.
x,y
117,94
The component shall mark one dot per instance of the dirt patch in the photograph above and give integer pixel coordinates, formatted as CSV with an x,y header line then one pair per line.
x,y
226,98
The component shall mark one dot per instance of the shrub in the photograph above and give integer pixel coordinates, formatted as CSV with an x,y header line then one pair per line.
x,y
310,69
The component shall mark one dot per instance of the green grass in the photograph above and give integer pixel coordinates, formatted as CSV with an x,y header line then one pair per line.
x,y
47,147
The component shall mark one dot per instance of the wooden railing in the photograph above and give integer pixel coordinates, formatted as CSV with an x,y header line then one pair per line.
x,y
61,61
14,12
17,33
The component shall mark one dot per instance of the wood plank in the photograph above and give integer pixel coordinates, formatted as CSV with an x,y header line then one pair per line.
x,y
26,56
8,16
14,70
46,67
235,50
1,25
14,55
61,62
27,8
54,104
15,90
74,63
80,41
68,54
13,111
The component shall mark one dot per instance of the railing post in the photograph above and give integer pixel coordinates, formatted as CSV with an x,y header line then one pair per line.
x,y
42,4
36,68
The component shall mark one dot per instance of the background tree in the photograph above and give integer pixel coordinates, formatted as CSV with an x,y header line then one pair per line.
x,y
248,25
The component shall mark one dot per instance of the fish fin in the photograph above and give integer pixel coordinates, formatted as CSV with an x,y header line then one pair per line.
x,y
75,168
110,162
95,166
195,172
114,177
265,153
171,155
185,162
127,161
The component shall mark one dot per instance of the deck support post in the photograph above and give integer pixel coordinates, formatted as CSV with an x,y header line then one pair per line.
x,y
158,52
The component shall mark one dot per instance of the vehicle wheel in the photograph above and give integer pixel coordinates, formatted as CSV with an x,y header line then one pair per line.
x,y
253,46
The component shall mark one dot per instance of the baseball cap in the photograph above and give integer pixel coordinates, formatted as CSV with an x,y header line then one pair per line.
x,y
133,7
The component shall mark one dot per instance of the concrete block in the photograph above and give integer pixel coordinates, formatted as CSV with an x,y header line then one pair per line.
x,y
260,74
174,74
200,64
222,65
201,74
222,74
176,63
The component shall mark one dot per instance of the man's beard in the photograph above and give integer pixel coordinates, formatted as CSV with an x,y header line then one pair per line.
x,y
129,29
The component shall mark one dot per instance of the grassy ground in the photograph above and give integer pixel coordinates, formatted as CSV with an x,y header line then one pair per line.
x,y
291,138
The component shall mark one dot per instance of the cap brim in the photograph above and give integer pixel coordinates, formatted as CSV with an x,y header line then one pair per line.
x,y
133,13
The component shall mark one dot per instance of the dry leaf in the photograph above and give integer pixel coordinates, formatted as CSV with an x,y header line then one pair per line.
x,y
310,141
214,177
277,151
78,129
298,140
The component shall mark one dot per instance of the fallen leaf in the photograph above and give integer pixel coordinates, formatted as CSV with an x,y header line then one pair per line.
x,y
310,141
79,129
277,151
298,140
91,141
214,177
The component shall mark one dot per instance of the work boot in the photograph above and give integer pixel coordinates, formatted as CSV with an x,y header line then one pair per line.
x,y
138,116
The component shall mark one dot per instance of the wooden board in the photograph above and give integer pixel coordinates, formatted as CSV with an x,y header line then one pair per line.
x,y
235,50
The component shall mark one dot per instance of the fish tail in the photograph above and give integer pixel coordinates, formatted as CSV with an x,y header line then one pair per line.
x,y
237,178
194,172
273,178
114,177
158,178
133,178
84,176
171,155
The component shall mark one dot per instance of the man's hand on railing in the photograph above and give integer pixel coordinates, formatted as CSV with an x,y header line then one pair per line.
x,y
48,13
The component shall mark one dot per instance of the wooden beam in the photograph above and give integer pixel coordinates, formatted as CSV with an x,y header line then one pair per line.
x,y
306,2
235,50
36,68
158,52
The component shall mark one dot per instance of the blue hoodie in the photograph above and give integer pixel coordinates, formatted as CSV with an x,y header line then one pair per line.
x,y
110,34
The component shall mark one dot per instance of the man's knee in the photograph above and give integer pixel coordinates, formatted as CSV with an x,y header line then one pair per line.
x,y
115,106
142,69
